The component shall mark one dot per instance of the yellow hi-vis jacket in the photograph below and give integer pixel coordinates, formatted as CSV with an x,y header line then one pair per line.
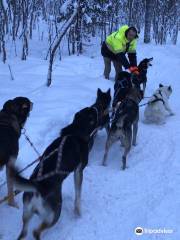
x,y
117,42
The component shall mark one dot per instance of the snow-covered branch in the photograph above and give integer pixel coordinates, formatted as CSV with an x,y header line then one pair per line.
x,y
57,43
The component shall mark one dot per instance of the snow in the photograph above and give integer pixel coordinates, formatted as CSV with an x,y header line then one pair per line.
x,y
5,4
114,202
87,18
65,6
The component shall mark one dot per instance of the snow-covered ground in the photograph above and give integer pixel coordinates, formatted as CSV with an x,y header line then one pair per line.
x,y
114,202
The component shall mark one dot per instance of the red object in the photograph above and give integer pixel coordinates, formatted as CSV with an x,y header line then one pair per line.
x,y
134,70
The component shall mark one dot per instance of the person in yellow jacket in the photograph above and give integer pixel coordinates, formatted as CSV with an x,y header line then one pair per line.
x,y
116,46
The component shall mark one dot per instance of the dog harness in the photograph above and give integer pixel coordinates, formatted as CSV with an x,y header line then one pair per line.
x,y
97,119
40,176
157,98
100,113
97,114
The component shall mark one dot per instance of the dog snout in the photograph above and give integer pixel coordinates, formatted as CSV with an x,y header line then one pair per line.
x,y
31,106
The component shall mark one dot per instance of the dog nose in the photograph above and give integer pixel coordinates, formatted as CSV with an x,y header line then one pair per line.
x,y
31,106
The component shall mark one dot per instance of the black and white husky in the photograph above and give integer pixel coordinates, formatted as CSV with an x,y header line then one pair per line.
x,y
66,154
158,106
125,123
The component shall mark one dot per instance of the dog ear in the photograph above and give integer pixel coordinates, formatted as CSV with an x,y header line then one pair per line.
x,y
9,106
161,85
76,116
170,88
109,91
99,91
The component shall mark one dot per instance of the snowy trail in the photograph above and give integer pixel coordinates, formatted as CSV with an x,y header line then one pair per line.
x,y
114,202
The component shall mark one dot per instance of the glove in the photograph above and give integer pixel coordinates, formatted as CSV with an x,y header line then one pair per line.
x,y
134,70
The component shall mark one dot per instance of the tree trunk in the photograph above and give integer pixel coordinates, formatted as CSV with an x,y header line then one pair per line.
x,y
148,20
56,45
130,6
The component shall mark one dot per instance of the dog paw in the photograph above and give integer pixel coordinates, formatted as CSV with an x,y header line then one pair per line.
x,y
161,123
77,212
104,164
21,237
36,235
123,167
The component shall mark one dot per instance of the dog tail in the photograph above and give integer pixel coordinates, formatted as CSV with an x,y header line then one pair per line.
x,y
22,183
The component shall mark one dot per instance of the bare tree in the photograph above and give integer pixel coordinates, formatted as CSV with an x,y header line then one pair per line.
x,y
57,43
148,20
130,7
19,19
